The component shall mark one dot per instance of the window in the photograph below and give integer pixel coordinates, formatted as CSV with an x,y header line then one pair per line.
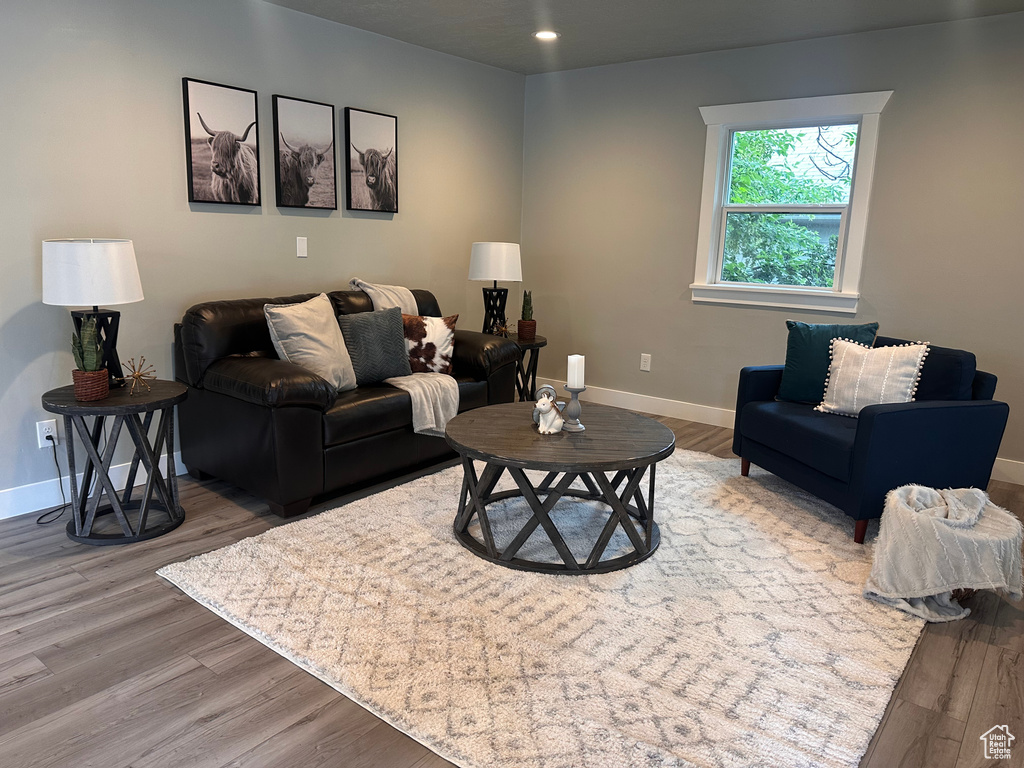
x,y
785,198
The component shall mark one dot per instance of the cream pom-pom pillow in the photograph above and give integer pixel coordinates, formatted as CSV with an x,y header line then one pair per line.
x,y
860,376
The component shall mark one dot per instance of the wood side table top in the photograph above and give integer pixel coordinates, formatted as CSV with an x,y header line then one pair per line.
x,y
162,394
536,342
614,439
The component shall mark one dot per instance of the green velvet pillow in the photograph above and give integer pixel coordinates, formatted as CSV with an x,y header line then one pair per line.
x,y
376,343
807,357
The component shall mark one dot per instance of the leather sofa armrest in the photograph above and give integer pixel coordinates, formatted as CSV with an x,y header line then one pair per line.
x,y
269,382
480,355
757,383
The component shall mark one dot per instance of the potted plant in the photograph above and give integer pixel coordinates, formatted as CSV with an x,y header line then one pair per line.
x,y
91,379
527,330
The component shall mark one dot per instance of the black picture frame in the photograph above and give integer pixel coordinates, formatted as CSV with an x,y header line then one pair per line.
x,y
228,108
371,138
305,170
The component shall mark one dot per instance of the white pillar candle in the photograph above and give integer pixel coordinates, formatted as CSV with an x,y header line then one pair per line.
x,y
575,376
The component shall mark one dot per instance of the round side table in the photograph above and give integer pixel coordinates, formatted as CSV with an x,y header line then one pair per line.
x,y
526,368
135,413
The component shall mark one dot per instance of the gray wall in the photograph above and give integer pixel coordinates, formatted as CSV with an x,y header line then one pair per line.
x,y
609,192
92,131
612,182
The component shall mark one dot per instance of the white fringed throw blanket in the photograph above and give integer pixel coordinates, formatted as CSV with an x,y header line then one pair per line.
x,y
932,542
387,296
435,400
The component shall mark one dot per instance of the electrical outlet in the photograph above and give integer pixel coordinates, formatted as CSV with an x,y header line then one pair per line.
x,y
300,247
44,428
645,361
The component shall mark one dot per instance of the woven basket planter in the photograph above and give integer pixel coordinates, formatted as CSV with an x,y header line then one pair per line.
x,y
91,385
527,330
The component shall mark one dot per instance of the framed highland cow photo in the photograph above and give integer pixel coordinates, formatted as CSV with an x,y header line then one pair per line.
x,y
304,154
372,165
221,143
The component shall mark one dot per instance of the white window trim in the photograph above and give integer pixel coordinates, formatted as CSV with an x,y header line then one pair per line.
x,y
722,120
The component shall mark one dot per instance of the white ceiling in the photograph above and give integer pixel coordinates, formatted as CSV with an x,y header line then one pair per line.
x,y
594,32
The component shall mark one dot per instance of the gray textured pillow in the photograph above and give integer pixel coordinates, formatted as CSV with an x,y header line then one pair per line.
x,y
376,342
860,376
307,334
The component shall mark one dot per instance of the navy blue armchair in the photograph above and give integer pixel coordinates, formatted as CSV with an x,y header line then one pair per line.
x,y
947,438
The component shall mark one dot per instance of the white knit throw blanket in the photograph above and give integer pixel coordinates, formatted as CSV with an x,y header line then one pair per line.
x,y
932,542
435,400
387,296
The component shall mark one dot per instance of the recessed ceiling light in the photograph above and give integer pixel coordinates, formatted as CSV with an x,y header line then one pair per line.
x,y
546,34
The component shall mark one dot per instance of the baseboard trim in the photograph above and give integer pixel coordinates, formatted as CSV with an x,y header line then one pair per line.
x,y
1006,470
26,499
1009,471
660,406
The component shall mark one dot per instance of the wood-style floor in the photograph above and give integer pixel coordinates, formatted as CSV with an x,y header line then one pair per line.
x,y
102,664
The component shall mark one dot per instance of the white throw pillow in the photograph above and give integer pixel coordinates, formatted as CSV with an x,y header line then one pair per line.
x,y
308,334
860,376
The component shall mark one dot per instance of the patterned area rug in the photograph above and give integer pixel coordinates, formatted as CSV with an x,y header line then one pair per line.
x,y
744,641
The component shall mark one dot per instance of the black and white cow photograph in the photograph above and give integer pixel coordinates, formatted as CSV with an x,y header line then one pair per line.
x,y
221,143
304,154
372,179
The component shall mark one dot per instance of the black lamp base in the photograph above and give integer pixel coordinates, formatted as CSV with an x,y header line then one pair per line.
x,y
494,308
107,321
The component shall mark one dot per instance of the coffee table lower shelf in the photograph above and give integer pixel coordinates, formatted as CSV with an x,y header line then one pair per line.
x,y
627,508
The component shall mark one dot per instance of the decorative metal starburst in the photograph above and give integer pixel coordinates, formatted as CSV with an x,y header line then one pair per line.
x,y
138,374
501,329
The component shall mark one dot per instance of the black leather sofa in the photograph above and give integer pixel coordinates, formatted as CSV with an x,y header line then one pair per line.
x,y
282,433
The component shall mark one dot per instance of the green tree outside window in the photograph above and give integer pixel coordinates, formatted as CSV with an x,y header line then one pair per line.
x,y
794,166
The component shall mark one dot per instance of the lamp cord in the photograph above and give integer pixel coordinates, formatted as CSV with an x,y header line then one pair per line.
x,y
42,519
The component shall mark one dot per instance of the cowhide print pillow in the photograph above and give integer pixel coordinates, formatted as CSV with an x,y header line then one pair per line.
x,y
430,341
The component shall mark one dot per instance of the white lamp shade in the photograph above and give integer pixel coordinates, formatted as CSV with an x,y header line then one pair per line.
x,y
495,261
88,272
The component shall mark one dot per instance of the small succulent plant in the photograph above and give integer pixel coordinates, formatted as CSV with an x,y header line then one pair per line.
x,y
86,347
527,305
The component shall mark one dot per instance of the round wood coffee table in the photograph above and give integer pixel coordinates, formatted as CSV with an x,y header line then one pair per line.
x,y
610,458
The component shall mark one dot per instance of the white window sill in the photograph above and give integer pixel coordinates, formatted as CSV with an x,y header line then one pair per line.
x,y
809,299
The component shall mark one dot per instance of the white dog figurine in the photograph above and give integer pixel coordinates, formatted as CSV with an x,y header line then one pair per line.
x,y
550,418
